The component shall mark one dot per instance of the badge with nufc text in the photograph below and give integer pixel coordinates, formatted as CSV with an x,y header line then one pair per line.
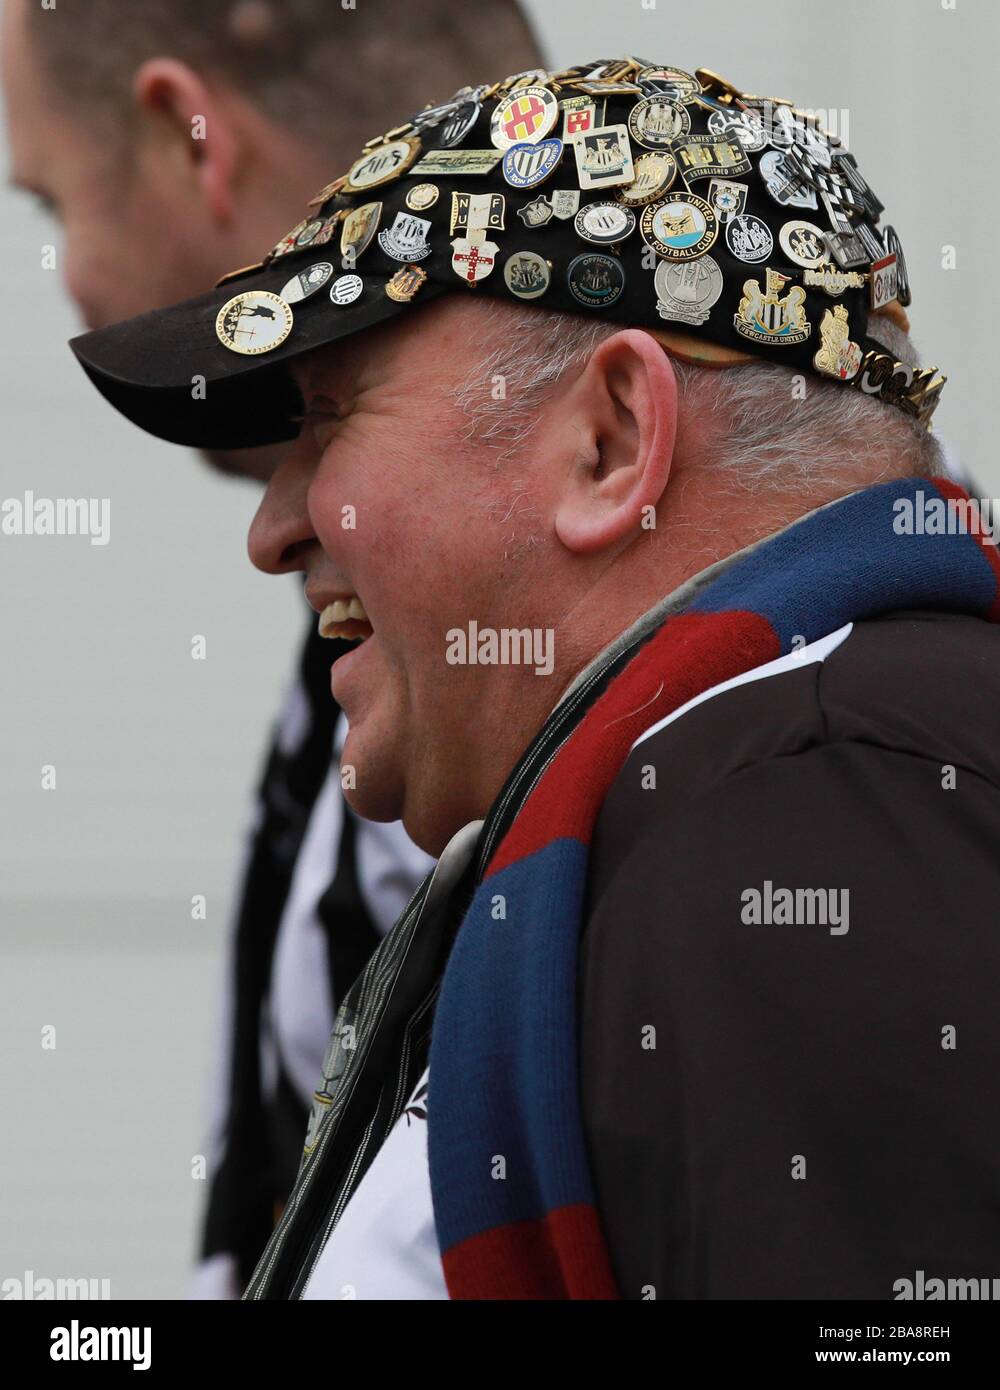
x,y
765,315
680,229
472,260
358,230
838,356
604,157
527,275
382,164
699,156
686,290
727,198
804,244
477,212
307,282
527,115
253,322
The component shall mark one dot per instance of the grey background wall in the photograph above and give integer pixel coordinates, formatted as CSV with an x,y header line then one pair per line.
x,y
155,753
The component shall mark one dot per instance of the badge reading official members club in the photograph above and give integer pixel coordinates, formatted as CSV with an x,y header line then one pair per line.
x,y
680,229
253,322
382,164
595,280
346,289
526,116
526,166
604,224
527,275
686,290
307,282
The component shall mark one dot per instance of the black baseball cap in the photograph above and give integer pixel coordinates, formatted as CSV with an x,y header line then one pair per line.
x,y
733,227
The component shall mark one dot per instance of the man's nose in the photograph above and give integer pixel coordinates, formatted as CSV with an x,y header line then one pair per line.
x,y
281,532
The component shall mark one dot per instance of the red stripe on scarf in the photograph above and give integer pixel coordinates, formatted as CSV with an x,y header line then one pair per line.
x,y
562,1255
697,650
952,491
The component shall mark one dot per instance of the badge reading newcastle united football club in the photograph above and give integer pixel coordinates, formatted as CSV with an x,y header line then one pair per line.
x,y
477,212
405,283
527,115
595,280
686,290
727,198
406,239
307,282
767,316
346,289
422,196
680,229
253,322
565,202
804,244
537,213
382,164
783,184
526,166
472,260
604,157
749,238
604,224
655,122
527,275
358,230
838,356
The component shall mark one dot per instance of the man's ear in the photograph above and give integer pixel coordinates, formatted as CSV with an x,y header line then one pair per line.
x,y
621,423
195,126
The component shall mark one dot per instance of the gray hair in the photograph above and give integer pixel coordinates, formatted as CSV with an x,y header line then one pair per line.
x,y
820,435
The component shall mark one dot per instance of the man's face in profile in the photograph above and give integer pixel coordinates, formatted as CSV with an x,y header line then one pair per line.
x,y
386,498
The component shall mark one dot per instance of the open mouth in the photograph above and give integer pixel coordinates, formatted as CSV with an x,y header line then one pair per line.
x,y
345,618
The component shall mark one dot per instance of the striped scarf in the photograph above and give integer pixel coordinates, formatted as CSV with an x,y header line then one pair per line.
x,y
513,1198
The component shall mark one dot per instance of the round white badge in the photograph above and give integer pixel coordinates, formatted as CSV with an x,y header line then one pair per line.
x,y
382,164
253,322
804,243
523,117
346,290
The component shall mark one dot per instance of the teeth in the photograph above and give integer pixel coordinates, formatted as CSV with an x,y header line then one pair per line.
x,y
344,618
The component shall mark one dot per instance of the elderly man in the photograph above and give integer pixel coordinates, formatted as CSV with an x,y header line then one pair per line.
x,y
623,486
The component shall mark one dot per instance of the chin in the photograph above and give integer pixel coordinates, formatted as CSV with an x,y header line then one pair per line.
x,y
378,790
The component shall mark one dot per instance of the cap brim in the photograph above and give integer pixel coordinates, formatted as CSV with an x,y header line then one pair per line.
x,y
168,372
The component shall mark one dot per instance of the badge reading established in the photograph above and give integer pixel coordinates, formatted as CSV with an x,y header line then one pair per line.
x,y
767,316
680,229
253,322
526,116
383,164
